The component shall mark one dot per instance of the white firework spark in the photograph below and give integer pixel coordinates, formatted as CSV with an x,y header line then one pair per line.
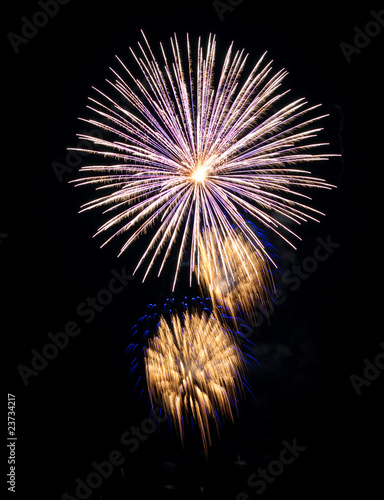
x,y
196,152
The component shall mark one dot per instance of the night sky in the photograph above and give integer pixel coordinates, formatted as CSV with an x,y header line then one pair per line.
x,y
314,349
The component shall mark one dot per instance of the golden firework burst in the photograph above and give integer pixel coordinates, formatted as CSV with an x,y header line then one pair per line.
x,y
194,367
235,275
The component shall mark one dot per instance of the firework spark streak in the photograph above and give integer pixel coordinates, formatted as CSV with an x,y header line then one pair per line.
x,y
195,368
195,151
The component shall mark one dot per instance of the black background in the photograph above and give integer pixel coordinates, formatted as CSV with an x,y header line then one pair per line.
x,y
76,409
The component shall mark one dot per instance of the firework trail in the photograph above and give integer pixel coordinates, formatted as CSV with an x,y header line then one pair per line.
x,y
194,367
192,152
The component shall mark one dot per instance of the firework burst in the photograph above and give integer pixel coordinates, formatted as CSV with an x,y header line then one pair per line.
x,y
195,368
235,276
193,150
